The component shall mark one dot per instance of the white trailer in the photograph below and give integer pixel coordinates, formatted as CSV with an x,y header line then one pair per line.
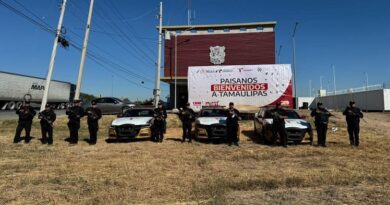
x,y
13,88
370,100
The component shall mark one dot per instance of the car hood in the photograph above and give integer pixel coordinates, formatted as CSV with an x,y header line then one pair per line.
x,y
292,123
131,120
211,120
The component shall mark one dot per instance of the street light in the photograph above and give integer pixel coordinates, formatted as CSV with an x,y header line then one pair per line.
x,y
294,63
168,37
278,54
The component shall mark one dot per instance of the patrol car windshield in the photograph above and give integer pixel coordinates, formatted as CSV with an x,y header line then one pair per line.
x,y
290,114
139,113
213,113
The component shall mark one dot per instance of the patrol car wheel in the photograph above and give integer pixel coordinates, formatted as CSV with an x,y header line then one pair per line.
x,y
11,105
18,105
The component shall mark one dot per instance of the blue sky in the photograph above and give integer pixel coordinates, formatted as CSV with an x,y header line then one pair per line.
x,y
354,35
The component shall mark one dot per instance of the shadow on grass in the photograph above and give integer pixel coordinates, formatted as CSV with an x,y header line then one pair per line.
x,y
25,139
127,140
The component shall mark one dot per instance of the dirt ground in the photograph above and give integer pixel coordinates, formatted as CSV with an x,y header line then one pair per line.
x,y
143,172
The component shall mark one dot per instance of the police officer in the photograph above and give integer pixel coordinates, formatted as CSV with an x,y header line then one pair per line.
x,y
233,116
278,124
26,115
94,114
159,123
321,119
187,116
75,113
47,117
352,116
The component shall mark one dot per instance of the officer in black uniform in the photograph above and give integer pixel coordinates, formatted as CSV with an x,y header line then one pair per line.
x,y
187,116
353,115
232,126
47,117
26,115
94,114
159,124
278,124
321,119
75,113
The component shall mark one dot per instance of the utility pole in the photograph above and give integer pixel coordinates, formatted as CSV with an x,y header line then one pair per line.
x,y
84,52
157,89
294,63
53,57
175,103
366,74
280,50
189,12
334,79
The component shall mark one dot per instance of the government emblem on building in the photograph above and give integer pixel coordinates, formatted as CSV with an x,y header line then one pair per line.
x,y
217,55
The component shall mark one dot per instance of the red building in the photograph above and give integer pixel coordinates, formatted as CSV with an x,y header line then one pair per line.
x,y
245,44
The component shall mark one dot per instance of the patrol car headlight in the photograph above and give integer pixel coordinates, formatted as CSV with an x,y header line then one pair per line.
x,y
111,131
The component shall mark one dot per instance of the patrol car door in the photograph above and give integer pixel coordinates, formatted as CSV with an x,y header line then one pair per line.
x,y
259,121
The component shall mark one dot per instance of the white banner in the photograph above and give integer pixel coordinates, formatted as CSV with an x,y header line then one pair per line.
x,y
248,86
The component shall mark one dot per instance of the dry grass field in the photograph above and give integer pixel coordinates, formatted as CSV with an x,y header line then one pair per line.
x,y
142,172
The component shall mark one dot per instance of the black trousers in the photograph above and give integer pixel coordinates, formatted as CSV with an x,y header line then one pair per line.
x,y
93,128
158,130
321,133
74,127
47,133
353,131
232,130
26,125
279,129
187,127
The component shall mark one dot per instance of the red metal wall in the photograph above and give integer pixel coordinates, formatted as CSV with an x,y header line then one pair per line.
x,y
240,49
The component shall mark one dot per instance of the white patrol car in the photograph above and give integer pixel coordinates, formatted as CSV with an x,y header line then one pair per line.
x,y
134,123
211,123
296,127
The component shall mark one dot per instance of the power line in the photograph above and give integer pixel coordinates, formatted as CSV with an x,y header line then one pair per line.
x,y
31,20
32,13
120,16
51,31
123,68
126,38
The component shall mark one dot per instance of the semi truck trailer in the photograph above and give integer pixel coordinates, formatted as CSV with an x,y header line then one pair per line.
x,y
14,87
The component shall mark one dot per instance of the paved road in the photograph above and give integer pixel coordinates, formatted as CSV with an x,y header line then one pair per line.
x,y
10,115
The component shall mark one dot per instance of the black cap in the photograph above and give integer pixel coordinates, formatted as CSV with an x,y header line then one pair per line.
x,y
47,105
188,103
319,103
159,103
231,103
76,101
351,102
278,103
93,103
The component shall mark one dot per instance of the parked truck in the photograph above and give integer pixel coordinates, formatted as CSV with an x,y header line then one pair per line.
x,y
13,88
